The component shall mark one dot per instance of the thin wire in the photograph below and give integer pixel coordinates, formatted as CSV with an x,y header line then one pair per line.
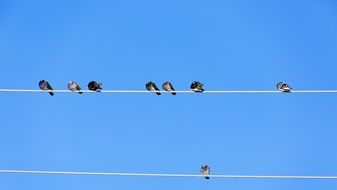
x,y
166,175
178,91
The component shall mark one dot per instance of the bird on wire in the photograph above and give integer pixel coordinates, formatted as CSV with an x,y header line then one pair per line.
x,y
73,86
197,86
44,85
205,170
150,86
283,87
167,86
94,86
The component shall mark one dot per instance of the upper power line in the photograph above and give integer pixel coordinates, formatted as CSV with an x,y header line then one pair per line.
x,y
177,91
151,87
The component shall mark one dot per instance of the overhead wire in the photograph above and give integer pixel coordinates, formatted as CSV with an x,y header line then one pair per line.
x,y
177,91
46,172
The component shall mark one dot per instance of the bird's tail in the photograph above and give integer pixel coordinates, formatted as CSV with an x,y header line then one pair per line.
x,y
206,177
51,93
173,93
80,92
158,93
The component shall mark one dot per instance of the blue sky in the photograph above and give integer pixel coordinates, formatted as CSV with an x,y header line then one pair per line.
x,y
227,45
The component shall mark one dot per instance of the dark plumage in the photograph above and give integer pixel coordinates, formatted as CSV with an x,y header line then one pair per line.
x,y
197,86
73,86
205,170
283,87
150,86
94,86
167,86
44,85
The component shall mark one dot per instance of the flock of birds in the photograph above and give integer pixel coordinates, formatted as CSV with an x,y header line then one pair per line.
x,y
150,86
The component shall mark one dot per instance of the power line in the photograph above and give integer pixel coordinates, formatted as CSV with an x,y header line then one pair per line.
x,y
166,175
178,91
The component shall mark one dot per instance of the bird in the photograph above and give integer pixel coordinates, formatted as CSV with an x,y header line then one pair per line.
x,y
205,170
167,86
94,86
44,85
150,86
197,86
283,87
73,86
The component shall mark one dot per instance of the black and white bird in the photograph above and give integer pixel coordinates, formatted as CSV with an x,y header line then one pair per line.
x,y
205,170
197,86
44,85
73,86
94,86
167,86
150,86
283,87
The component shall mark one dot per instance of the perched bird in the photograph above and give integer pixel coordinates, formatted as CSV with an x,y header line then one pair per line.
x,y
94,86
205,170
167,86
73,86
197,86
44,85
150,86
283,87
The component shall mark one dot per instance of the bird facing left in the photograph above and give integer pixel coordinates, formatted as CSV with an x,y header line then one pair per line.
x,y
44,85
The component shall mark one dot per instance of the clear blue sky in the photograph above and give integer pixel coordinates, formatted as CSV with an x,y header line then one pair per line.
x,y
227,45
